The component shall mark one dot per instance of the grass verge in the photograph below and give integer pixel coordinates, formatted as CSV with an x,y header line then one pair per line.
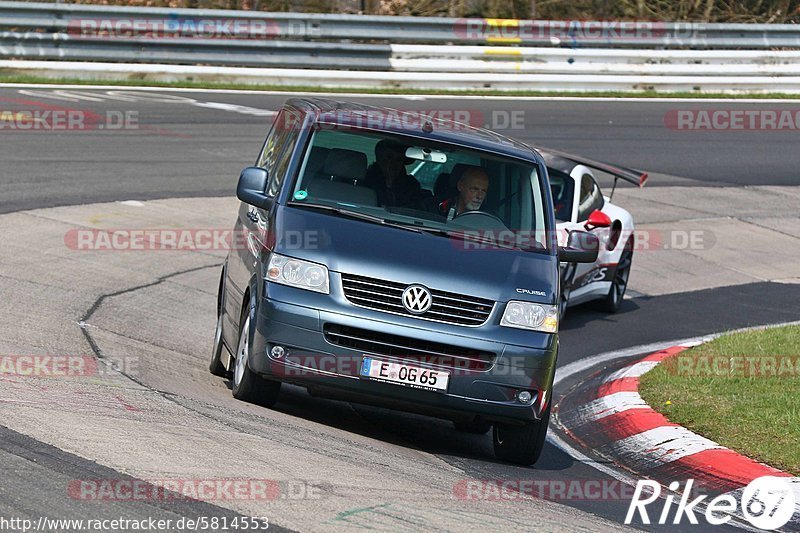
x,y
741,390
25,79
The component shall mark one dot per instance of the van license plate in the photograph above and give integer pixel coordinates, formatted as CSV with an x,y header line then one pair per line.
x,y
406,375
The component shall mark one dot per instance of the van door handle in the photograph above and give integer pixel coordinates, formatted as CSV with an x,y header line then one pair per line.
x,y
252,215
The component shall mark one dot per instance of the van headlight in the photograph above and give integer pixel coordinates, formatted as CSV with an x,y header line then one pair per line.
x,y
298,273
528,315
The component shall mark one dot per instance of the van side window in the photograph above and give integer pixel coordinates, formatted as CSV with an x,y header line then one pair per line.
x,y
590,198
278,148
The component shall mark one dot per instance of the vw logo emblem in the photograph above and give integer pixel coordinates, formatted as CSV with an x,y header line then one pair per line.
x,y
417,299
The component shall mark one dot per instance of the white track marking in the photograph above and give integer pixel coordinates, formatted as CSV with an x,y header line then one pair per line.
x,y
634,371
602,467
116,95
582,365
559,443
610,405
408,96
143,96
243,109
577,367
659,446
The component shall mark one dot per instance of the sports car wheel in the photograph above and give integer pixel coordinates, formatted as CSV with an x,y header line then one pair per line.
x,y
619,284
521,445
247,385
566,287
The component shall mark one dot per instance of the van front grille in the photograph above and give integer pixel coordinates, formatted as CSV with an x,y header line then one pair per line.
x,y
408,349
386,296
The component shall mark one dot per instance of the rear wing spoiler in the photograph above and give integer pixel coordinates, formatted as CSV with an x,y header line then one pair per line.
x,y
635,177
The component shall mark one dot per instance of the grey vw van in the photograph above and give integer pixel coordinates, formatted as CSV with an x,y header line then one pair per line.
x,y
399,260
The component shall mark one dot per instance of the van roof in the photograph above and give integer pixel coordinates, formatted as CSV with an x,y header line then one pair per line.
x,y
449,131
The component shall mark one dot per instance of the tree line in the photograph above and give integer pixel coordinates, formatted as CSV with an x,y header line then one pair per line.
x,y
761,11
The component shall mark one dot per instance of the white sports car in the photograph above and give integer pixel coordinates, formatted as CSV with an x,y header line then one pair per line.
x,y
580,205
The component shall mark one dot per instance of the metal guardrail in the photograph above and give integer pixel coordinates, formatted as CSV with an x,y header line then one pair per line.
x,y
245,53
488,59
57,18
370,51
144,73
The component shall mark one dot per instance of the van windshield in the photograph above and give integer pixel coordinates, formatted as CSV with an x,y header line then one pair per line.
x,y
424,185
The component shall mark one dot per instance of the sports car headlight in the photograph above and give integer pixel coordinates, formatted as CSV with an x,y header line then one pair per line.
x,y
298,273
528,315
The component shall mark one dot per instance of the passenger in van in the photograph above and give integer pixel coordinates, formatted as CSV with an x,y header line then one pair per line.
x,y
388,178
472,188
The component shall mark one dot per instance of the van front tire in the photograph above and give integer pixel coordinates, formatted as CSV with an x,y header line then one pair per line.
x,y
521,445
248,386
215,366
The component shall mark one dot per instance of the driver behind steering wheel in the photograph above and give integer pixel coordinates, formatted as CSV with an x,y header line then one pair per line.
x,y
472,188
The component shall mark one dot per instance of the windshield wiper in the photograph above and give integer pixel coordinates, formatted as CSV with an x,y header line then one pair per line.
x,y
478,236
356,214
413,226
468,235
465,235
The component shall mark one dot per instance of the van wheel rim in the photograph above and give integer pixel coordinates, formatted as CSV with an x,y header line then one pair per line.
x,y
241,353
218,332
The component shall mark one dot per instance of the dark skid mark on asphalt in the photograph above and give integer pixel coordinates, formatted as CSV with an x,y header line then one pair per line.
x,y
84,321
188,508
54,469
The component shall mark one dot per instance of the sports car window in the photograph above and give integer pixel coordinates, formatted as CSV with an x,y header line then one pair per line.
x,y
590,198
561,188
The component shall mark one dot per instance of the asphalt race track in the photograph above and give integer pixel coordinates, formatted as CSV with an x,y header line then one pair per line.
x,y
193,145
183,149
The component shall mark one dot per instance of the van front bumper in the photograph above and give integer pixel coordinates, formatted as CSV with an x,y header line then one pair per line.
x,y
309,359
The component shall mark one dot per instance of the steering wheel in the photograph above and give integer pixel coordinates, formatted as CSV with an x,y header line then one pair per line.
x,y
482,213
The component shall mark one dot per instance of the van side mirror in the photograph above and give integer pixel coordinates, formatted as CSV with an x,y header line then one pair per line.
x,y
582,247
251,186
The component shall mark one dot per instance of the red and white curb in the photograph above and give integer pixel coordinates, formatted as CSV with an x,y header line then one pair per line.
x,y
620,425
